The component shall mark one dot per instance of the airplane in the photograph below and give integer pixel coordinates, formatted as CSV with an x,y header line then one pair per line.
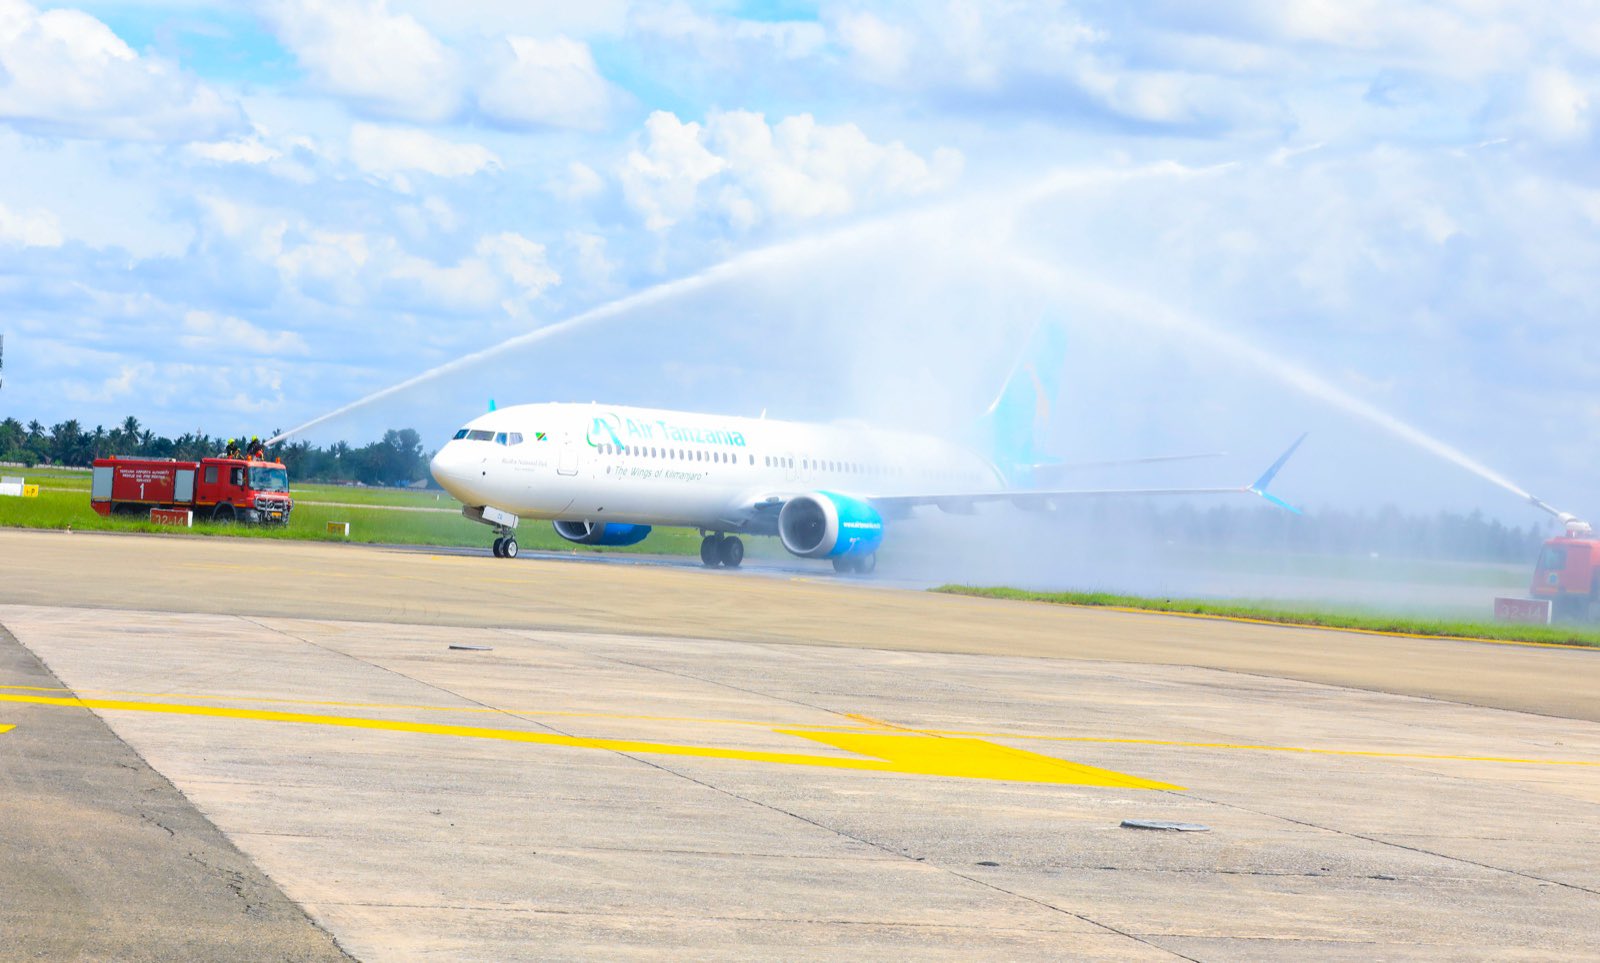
x,y
604,475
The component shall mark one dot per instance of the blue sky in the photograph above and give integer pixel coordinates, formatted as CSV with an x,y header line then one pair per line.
x,y
237,218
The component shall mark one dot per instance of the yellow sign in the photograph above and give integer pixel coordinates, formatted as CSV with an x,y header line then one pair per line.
x,y
958,758
30,491
339,528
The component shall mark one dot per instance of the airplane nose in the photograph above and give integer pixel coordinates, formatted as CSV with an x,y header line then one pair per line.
x,y
449,469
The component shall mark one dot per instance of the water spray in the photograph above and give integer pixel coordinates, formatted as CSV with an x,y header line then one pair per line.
x,y
1151,311
753,261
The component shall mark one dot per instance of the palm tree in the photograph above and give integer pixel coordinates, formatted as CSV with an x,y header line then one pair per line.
x,y
130,436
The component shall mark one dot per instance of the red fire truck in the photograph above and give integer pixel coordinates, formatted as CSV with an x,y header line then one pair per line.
x,y
1568,574
219,489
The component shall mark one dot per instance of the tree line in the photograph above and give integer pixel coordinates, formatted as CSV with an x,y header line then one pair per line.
x,y
1387,532
396,459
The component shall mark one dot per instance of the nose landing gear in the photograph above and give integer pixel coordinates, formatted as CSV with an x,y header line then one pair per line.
x,y
718,549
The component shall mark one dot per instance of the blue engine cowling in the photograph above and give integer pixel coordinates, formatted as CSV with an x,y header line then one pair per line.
x,y
610,534
828,525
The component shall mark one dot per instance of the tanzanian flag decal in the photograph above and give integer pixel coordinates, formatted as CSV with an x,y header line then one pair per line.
x,y
540,436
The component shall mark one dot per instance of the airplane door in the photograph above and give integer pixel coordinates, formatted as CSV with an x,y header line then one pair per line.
x,y
568,465
792,464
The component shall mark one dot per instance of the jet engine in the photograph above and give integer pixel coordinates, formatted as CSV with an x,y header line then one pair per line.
x,y
609,533
829,525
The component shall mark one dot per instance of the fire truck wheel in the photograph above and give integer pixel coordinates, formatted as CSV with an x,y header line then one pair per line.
x,y
509,549
499,548
223,514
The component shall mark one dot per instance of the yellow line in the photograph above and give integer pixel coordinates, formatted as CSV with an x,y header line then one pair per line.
x,y
865,723
4,728
1321,628
910,754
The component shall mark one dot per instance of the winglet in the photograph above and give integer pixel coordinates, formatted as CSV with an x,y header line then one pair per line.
x,y
1260,486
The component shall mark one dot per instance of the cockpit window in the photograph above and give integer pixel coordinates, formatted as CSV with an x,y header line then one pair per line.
x,y
460,435
478,434
515,438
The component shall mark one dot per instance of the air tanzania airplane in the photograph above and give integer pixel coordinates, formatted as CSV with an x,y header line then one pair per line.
x,y
605,474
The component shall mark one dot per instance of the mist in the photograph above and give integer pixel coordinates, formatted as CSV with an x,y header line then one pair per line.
x,y
912,320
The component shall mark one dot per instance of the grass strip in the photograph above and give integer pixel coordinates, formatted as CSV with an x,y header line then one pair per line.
x,y
372,514
1264,611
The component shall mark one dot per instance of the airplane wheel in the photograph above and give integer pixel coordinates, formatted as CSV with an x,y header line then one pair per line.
x,y
711,551
844,565
509,548
731,551
499,548
867,563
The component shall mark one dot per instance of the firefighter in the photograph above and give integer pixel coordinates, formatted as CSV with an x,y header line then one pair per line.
x,y
258,451
233,448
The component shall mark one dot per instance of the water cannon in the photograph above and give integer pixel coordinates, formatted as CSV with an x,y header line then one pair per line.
x,y
1576,527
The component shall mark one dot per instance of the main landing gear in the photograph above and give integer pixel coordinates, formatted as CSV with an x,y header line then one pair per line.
x,y
856,564
718,549
505,546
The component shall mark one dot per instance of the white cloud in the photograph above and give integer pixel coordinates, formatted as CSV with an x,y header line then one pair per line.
x,y
661,182
550,82
390,150
64,72
32,228
520,260
386,63
879,49
223,334
795,170
240,150
579,183
730,38
1556,105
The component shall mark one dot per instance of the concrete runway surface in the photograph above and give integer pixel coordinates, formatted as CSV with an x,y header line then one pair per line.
x,y
232,749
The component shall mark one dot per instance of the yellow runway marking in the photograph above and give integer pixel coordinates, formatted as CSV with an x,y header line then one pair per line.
x,y
863,723
959,758
4,728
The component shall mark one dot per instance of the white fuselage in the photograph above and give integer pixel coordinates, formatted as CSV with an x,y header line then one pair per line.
x,y
648,466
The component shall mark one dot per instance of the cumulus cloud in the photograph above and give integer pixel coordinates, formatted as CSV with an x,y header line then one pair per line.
x,y
204,331
66,73
754,172
391,150
387,64
729,38
251,149
384,62
554,82
31,228
505,270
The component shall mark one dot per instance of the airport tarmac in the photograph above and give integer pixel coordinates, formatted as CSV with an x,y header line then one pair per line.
x,y
400,755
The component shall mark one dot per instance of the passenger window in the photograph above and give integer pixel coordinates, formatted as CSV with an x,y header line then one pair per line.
x,y
236,477
211,474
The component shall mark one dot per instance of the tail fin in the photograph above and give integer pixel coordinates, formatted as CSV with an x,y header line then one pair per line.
x,y
1017,418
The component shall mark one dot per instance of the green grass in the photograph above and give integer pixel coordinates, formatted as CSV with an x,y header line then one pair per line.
x,y
374,514
1288,613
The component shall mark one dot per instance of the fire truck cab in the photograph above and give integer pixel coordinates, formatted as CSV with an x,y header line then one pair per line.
x,y
1568,574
